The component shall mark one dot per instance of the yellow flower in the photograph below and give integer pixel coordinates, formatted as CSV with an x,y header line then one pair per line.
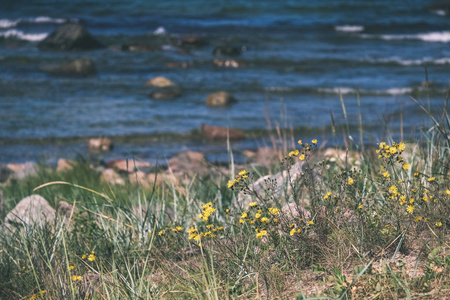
x,y
178,228
91,257
350,181
418,219
360,206
261,234
206,205
253,204
327,195
231,183
74,277
79,278
264,220
71,267
209,226
382,144
438,224
393,150
300,142
302,157
401,146
393,189
410,209
159,233
416,174
241,221
314,141
244,215
386,174
406,166
310,223
275,220
447,192
242,173
274,211
293,230
84,256
402,199
431,179
258,215
425,198
411,200
291,154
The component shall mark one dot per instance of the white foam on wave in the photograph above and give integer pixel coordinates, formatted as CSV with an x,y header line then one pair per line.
x,y
160,31
337,90
349,28
32,37
442,37
440,12
397,91
6,23
351,91
413,62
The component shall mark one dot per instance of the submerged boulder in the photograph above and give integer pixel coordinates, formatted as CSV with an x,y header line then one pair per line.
x,y
160,82
167,93
70,36
216,133
81,67
220,99
227,51
31,210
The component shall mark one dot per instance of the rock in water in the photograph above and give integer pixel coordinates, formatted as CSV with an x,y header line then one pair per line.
x,y
216,133
31,210
227,51
220,99
100,144
81,67
160,82
23,170
70,36
189,162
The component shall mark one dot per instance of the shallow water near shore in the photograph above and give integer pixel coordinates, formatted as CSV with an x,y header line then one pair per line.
x,y
298,58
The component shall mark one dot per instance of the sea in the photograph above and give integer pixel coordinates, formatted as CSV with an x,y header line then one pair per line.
x,y
335,70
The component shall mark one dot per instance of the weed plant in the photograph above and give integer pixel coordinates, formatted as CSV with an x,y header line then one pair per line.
x,y
373,229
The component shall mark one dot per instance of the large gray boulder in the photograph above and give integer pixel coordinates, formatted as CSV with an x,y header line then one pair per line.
x,y
81,67
23,170
70,36
281,186
31,210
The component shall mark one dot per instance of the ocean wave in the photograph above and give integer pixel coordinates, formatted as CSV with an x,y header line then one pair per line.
x,y
352,91
7,23
31,37
160,31
443,36
440,12
349,28
412,62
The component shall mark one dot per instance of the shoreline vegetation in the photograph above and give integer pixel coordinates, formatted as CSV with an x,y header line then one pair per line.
x,y
311,222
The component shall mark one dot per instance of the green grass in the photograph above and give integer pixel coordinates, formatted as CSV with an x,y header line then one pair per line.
x,y
358,241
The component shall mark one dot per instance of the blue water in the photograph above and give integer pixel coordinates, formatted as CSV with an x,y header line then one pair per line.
x,y
299,56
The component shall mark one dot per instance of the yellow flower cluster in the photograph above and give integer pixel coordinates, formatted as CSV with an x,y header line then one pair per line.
x,y
304,153
39,295
194,234
207,211
76,278
90,257
241,175
392,152
176,230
